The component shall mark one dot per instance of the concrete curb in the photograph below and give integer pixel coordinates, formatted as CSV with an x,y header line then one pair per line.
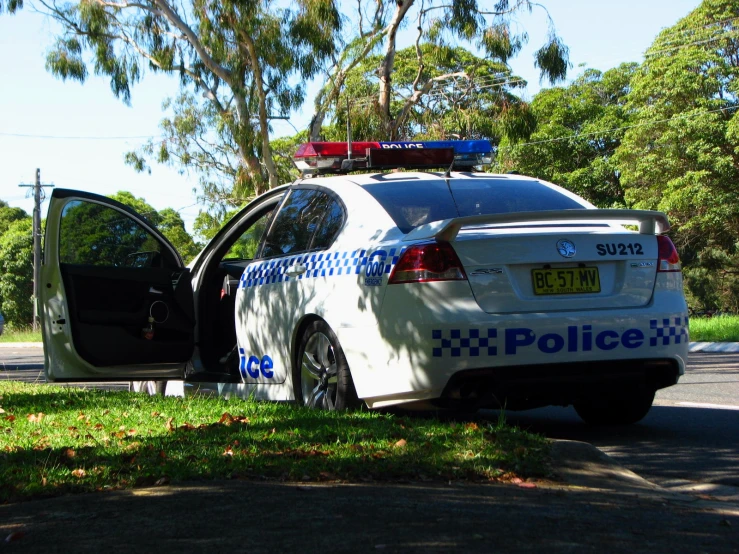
x,y
714,347
583,465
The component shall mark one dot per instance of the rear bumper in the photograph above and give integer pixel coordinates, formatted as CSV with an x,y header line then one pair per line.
x,y
437,341
532,386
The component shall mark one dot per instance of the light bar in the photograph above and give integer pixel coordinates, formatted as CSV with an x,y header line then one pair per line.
x,y
333,157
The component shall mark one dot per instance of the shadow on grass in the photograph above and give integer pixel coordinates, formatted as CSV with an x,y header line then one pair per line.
x,y
76,441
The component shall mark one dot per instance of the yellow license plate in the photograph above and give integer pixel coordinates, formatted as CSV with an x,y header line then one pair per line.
x,y
568,280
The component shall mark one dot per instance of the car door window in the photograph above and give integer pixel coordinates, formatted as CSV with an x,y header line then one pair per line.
x,y
245,247
296,222
97,235
329,227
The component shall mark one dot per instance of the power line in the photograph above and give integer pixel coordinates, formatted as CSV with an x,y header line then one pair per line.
x,y
60,137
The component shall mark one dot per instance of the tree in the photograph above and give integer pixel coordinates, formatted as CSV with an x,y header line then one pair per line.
x,y
578,129
16,272
8,215
681,154
483,106
241,57
438,25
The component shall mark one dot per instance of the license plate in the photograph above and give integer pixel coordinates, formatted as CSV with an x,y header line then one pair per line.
x,y
568,280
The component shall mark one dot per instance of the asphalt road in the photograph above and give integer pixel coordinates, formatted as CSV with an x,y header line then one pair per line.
x,y
691,435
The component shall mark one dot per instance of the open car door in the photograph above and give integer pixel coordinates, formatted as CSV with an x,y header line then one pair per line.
x,y
116,301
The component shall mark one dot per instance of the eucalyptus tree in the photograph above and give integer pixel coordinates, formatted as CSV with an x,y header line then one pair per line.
x,y
438,24
578,129
482,104
247,59
681,152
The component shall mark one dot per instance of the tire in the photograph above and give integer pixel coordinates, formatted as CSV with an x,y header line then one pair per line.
x,y
616,409
321,377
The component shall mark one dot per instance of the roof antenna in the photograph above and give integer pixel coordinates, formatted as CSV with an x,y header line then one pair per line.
x,y
348,131
448,172
348,163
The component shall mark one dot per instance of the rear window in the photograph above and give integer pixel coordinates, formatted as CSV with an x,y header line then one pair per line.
x,y
414,203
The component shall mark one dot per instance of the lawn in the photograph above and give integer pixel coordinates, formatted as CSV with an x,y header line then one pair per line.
x,y
57,440
723,328
20,335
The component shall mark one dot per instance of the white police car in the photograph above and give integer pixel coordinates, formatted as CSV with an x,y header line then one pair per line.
x,y
424,288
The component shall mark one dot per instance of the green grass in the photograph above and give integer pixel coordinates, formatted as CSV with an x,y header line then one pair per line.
x,y
723,328
56,440
20,335
718,329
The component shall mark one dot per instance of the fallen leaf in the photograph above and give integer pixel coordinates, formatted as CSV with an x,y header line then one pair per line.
x,y
400,444
10,418
2,411
154,414
69,453
162,454
35,418
527,485
516,480
472,426
228,451
99,426
79,473
169,425
80,417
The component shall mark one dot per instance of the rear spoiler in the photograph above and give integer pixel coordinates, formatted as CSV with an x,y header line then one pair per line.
x,y
650,222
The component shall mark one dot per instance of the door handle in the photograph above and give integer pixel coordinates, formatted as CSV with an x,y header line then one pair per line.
x,y
297,269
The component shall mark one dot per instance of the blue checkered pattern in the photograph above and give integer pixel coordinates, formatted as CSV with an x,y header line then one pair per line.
x,y
669,330
321,264
470,342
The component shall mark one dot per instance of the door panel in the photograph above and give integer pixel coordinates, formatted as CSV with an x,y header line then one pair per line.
x,y
107,271
110,307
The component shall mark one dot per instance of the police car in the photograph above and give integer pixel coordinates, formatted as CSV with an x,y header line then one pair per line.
x,y
390,274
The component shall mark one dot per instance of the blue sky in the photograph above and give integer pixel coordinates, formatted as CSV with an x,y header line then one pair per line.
x,y
77,134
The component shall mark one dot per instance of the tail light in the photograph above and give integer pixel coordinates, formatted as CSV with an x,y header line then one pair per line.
x,y
434,261
669,260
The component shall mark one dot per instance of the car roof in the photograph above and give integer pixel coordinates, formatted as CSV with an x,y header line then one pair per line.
x,y
362,179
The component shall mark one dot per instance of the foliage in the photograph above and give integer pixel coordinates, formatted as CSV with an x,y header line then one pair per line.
x,y
59,440
244,63
8,215
402,81
681,154
473,98
16,272
578,129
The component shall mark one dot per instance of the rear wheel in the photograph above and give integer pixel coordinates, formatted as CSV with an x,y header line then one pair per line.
x,y
616,409
321,377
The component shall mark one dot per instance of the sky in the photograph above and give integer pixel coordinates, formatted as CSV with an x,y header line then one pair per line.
x,y
77,134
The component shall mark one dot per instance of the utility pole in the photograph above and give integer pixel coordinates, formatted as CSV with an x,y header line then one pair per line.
x,y
37,191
